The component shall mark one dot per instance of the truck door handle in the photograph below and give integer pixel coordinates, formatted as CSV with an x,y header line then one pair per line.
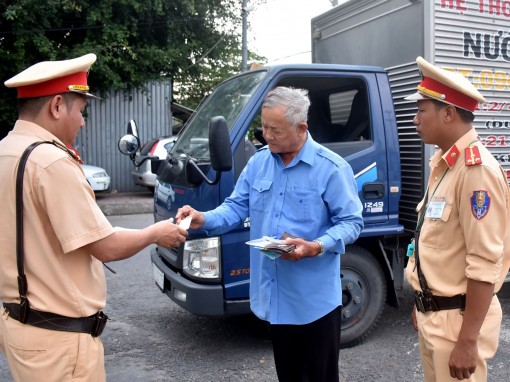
x,y
373,190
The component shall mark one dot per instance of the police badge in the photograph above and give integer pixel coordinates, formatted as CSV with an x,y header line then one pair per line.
x,y
480,203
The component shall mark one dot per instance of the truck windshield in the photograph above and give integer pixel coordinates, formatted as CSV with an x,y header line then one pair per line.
x,y
228,100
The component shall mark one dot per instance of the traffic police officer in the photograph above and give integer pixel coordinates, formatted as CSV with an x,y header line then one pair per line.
x,y
53,288
461,241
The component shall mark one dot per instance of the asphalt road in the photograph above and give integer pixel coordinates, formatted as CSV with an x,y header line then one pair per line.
x,y
149,338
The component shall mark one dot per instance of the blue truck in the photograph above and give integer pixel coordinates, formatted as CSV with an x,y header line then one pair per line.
x,y
352,114
358,112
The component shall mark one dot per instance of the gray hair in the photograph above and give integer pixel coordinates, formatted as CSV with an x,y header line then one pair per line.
x,y
294,101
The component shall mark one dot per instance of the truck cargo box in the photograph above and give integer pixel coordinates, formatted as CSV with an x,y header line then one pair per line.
x,y
469,36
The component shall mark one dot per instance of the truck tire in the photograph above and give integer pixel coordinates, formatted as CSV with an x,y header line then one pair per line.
x,y
363,295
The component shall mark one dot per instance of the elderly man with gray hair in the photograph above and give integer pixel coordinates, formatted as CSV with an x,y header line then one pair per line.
x,y
298,189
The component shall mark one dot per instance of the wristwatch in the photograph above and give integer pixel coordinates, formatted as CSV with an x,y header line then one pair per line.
x,y
321,245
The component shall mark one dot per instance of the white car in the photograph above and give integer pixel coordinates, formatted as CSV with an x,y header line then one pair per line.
x,y
165,194
158,148
97,177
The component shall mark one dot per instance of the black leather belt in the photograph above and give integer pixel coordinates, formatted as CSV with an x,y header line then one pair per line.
x,y
93,325
425,303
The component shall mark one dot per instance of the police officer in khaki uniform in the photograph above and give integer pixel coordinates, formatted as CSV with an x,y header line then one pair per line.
x,y
461,242
53,289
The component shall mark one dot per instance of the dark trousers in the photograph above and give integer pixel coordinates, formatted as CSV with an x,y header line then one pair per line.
x,y
308,353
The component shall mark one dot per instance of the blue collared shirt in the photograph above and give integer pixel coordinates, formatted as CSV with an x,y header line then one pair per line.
x,y
314,197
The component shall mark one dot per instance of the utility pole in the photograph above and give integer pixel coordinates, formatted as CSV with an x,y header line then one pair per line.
x,y
244,47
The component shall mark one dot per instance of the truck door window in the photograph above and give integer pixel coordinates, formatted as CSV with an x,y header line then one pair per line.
x,y
340,106
339,114
357,124
349,118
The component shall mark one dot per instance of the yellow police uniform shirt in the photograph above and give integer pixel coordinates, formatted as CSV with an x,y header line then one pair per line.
x,y
465,227
60,217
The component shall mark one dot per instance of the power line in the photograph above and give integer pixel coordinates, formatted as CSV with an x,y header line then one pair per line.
x,y
292,55
206,53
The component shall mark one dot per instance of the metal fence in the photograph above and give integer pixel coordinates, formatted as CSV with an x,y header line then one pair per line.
x,y
107,122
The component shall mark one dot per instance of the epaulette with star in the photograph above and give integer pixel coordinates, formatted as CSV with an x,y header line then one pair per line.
x,y
74,154
473,157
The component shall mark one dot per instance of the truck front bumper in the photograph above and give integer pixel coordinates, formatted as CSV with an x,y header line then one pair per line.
x,y
199,299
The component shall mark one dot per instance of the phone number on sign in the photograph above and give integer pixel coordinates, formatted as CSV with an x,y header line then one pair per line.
x,y
493,106
486,79
495,141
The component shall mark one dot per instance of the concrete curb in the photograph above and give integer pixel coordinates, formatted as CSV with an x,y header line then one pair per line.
x,y
125,203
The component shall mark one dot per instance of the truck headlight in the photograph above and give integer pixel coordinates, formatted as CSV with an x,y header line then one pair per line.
x,y
201,258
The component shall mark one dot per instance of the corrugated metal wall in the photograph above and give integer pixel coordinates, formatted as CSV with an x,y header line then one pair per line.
x,y
107,122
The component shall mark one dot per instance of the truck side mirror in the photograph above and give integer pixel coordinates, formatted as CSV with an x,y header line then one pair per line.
x,y
219,150
219,145
132,128
129,144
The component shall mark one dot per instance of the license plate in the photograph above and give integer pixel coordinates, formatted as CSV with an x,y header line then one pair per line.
x,y
159,277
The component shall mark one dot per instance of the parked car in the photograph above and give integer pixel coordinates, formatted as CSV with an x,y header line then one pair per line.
x,y
157,147
164,194
97,177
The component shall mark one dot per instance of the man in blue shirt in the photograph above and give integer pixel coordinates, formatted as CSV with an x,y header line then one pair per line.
x,y
297,186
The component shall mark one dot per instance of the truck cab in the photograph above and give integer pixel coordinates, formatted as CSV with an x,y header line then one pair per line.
x,y
352,114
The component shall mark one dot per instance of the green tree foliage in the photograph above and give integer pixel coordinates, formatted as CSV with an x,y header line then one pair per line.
x,y
194,43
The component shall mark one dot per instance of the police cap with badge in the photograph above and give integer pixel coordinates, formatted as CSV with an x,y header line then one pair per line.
x,y
446,86
451,88
54,77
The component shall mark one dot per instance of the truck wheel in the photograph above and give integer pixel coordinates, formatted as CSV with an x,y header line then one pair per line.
x,y
363,295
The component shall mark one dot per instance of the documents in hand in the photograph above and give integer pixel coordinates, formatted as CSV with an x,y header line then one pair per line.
x,y
185,223
271,247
